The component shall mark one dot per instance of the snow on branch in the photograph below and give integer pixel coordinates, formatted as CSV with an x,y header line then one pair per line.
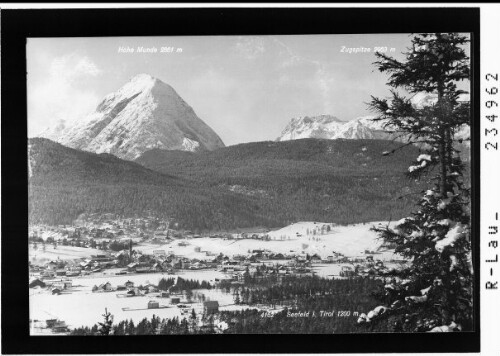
x,y
453,235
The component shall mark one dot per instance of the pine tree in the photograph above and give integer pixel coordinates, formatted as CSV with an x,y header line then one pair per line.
x,y
130,328
434,291
189,295
106,326
184,327
192,321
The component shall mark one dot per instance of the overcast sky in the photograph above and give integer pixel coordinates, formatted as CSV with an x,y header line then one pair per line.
x,y
246,88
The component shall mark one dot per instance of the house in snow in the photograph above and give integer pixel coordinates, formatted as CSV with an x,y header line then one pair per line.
x,y
67,284
61,272
36,283
129,284
60,327
151,288
51,266
152,304
159,253
106,287
210,307
143,269
315,258
132,266
48,274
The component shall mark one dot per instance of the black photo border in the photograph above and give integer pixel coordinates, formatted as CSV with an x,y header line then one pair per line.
x,y
18,25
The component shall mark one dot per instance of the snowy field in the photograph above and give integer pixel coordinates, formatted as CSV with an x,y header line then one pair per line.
x,y
62,252
332,270
350,240
81,307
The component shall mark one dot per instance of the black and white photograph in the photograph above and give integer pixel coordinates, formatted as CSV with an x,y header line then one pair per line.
x,y
248,180
249,184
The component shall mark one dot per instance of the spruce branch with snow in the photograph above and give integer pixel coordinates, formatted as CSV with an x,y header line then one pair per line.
x,y
434,291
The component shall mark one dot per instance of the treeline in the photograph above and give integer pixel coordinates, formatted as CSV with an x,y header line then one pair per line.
x,y
153,326
252,321
249,321
310,293
326,306
182,284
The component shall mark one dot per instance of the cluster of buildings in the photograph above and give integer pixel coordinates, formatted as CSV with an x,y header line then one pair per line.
x,y
98,230
55,286
73,268
49,326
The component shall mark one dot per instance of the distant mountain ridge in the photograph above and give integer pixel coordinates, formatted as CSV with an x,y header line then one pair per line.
x,y
144,114
331,128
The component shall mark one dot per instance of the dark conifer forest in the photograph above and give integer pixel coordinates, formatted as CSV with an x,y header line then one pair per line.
x,y
256,184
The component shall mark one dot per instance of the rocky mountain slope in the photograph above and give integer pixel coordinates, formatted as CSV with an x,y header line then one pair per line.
x,y
144,114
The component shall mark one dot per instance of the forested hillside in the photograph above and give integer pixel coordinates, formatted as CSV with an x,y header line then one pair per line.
x,y
65,183
257,184
343,181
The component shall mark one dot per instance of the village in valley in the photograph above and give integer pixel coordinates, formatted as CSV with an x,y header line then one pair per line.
x,y
142,267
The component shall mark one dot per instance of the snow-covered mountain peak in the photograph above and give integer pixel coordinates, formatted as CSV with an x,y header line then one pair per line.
x,y
323,119
139,83
144,114
143,78
142,84
310,126
330,127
